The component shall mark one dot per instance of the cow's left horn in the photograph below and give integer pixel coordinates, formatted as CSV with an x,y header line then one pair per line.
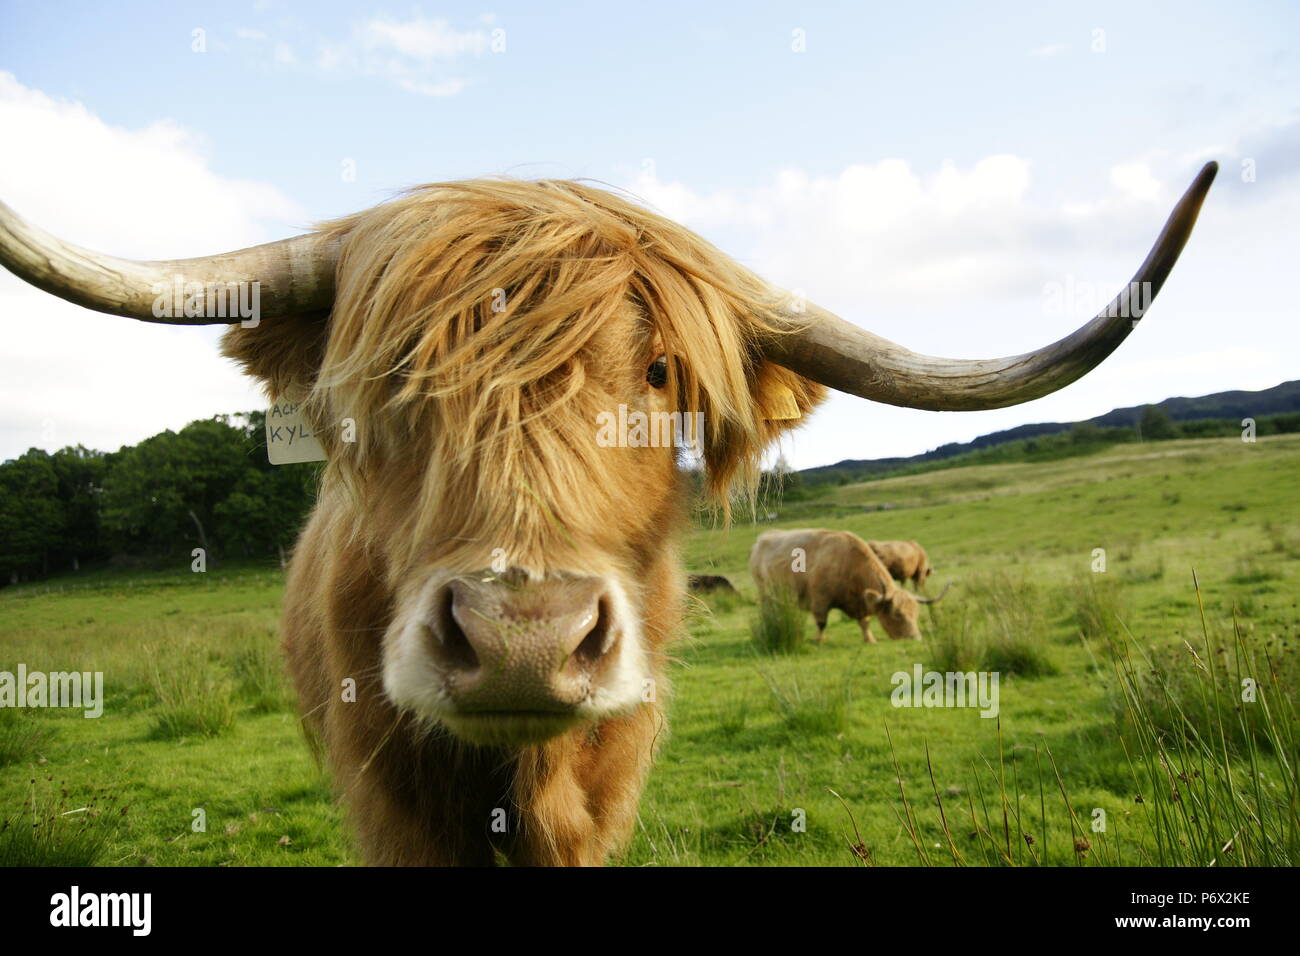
x,y
292,275
827,349
931,600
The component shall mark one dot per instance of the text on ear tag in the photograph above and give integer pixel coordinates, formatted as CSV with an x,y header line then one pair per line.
x,y
289,436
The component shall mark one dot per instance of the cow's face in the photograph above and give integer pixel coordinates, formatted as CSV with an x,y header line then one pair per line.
x,y
897,610
526,525
518,417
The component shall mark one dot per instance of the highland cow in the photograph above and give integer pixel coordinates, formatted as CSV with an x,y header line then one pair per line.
x,y
477,611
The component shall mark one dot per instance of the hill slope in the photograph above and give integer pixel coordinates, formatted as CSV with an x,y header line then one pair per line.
x,y
1235,405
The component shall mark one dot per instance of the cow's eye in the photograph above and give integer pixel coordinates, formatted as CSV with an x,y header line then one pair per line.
x,y
657,374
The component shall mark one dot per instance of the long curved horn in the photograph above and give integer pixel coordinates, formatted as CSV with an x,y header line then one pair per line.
x,y
292,275
836,353
932,600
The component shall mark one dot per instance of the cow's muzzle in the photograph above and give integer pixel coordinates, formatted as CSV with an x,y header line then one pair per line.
x,y
522,660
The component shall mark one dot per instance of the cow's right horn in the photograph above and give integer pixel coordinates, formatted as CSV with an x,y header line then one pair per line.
x,y
292,276
931,600
821,346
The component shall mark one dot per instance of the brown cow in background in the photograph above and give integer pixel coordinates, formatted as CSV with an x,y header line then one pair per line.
x,y
834,569
906,561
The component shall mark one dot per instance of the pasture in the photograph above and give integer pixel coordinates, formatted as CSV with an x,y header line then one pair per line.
x,y
1114,695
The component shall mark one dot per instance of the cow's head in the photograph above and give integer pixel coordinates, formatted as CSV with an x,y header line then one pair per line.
x,y
897,609
493,345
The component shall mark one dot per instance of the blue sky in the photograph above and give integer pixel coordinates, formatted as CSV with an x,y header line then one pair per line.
x,y
925,170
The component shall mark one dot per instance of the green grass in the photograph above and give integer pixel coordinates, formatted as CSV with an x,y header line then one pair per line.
x,y
1110,709
779,625
22,736
1000,625
48,829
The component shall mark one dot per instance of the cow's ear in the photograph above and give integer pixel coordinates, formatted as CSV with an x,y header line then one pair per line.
x,y
874,598
782,399
285,352
740,426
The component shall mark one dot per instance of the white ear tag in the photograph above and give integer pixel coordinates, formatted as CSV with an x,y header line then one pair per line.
x,y
289,437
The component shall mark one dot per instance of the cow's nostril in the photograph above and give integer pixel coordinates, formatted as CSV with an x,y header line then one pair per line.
x,y
598,640
449,641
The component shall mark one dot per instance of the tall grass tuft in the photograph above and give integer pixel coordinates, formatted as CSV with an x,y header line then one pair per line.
x,y
193,694
258,671
953,648
1001,626
812,712
1097,604
52,830
780,625
21,736
1218,757
1194,693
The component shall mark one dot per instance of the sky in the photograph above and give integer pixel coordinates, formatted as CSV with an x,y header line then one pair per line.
x,y
967,180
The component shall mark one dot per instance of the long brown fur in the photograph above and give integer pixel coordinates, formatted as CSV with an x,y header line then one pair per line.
x,y
478,329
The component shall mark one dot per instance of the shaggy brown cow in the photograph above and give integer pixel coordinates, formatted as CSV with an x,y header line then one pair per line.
x,y
477,611
827,569
906,561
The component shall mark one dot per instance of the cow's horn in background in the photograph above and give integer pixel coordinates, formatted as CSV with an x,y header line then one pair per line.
x,y
838,354
931,600
293,275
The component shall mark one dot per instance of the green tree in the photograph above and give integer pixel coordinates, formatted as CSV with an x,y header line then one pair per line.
x,y
161,495
31,515
1156,425
1085,433
80,473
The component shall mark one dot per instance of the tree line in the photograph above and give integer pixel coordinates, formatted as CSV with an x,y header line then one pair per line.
x,y
211,486
208,485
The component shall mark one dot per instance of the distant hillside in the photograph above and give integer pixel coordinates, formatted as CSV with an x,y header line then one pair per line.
x,y
1119,424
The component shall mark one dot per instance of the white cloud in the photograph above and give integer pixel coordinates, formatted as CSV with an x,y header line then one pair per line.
x,y
422,39
414,54
880,231
68,375
1136,181
1051,49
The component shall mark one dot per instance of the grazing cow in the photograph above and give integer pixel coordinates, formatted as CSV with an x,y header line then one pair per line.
x,y
709,584
906,561
477,611
827,569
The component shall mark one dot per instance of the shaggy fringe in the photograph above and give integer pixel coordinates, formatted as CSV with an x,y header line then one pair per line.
x,y
489,296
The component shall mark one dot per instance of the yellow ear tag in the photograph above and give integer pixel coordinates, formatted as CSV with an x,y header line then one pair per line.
x,y
781,405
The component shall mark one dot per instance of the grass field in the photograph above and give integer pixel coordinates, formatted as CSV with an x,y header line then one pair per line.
x,y
1119,703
